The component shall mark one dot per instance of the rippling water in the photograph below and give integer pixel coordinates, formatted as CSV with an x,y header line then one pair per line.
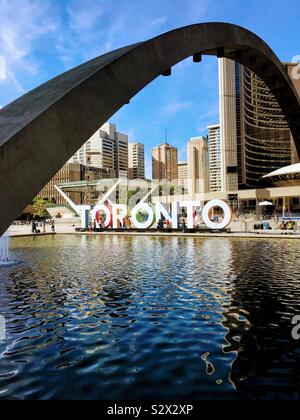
x,y
149,318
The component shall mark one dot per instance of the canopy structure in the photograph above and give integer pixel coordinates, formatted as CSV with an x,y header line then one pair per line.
x,y
266,204
288,170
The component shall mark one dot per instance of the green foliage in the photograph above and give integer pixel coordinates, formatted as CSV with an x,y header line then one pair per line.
x,y
40,207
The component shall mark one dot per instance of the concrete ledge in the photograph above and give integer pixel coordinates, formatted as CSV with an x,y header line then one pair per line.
x,y
193,235
187,235
22,232
25,235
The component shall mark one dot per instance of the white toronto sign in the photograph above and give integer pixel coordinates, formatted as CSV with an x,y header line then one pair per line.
x,y
112,216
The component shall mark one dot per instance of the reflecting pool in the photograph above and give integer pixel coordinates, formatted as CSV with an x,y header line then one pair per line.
x,y
149,318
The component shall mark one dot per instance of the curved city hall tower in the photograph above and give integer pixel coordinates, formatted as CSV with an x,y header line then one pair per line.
x,y
267,141
255,137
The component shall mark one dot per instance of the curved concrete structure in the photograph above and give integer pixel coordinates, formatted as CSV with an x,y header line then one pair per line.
x,y
285,177
42,130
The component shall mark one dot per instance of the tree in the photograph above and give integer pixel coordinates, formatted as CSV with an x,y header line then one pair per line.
x,y
40,207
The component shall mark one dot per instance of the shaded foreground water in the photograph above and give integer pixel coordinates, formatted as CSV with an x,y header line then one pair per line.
x,y
146,318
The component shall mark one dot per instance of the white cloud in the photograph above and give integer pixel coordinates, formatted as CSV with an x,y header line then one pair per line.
x,y
159,21
85,16
211,116
196,10
112,34
174,107
91,28
22,23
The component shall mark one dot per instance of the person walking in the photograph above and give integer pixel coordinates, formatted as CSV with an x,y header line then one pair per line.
x,y
53,226
34,230
160,225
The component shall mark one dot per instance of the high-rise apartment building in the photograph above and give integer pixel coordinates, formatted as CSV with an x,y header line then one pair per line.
x,y
183,171
136,161
255,137
183,174
106,149
198,165
165,162
215,158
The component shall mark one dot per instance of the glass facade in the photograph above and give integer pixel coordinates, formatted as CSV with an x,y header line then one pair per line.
x,y
265,132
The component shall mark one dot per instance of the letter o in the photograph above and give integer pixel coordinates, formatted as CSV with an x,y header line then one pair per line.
x,y
227,215
147,209
104,209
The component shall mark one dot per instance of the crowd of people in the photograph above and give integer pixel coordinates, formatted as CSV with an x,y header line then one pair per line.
x,y
162,225
288,226
35,225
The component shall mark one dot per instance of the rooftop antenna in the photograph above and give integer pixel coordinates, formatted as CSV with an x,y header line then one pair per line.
x,y
166,136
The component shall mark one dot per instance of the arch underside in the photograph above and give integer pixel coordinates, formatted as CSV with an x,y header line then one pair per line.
x,y
40,131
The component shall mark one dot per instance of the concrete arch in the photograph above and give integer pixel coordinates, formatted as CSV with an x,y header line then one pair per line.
x,y
40,131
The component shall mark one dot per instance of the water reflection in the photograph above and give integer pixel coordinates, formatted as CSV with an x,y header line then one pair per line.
x,y
117,317
266,297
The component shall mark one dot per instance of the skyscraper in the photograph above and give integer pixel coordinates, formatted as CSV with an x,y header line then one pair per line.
x,y
136,161
293,70
255,137
198,165
165,162
183,174
265,131
183,170
228,124
106,149
215,159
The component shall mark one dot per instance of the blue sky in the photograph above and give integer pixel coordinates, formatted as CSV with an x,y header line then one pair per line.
x,y
43,38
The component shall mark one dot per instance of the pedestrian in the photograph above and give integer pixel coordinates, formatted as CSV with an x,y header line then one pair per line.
x,y
44,225
34,230
53,226
95,226
160,225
